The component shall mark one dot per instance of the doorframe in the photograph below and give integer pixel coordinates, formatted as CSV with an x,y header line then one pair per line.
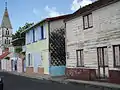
x,y
103,66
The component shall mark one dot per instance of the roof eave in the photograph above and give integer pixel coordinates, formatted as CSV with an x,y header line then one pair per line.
x,y
78,12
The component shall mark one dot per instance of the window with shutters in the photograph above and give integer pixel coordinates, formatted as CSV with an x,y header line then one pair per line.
x,y
9,41
116,55
5,41
80,58
33,35
29,60
43,32
87,21
6,32
68,55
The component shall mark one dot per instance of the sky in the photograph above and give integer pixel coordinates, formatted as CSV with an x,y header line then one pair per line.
x,y
22,11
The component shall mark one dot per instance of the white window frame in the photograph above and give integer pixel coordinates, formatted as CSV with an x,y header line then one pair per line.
x,y
80,57
87,21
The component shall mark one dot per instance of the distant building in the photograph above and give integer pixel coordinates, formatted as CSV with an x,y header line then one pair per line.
x,y
5,42
5,30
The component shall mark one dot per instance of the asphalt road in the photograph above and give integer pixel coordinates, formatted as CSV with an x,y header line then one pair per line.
x,y
14,82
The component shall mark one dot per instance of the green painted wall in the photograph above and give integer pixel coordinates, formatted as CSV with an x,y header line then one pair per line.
x,y
40,47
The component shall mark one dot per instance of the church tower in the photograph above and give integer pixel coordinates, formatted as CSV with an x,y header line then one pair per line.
x,y
5,30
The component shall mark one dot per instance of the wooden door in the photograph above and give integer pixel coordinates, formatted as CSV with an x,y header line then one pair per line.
x,y
102,62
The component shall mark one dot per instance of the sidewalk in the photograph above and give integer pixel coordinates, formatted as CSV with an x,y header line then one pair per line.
x,y
64,80
101,84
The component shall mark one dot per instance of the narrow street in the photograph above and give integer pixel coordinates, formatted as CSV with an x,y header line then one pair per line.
x,y
13,82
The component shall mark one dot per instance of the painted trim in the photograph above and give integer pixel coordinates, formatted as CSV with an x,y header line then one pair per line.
x,y
49,44
87,15
80,57
57,70
114,61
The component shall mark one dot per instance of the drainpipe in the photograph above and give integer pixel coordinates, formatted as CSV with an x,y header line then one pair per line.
x,y
49,46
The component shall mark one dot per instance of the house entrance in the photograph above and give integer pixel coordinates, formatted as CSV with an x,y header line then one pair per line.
x,y
102,62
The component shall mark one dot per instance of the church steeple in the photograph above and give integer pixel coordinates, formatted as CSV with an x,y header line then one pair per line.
x,y
5,5
6,21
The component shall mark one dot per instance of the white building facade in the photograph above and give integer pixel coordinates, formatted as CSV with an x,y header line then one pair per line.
x,y
93,42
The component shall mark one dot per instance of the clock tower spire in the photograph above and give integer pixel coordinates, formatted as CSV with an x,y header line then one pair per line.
x,y
6,29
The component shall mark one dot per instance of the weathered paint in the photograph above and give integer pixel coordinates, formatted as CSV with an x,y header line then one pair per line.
x,y
57,70
105,32
8,65
112,76
39,48
81,73
19,65
4,64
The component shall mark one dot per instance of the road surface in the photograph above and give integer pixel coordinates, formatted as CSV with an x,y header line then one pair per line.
x,y
14,82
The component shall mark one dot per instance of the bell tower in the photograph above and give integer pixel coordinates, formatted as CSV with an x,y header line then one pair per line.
x,y
5,30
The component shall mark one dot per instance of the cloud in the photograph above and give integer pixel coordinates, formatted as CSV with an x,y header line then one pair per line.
x,y
79,3
52,12
36,11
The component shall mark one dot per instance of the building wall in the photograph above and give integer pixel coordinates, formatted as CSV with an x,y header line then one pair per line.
x,y
19,65
57,69
40,53
4,64
56,24
0,36
105,32
3,32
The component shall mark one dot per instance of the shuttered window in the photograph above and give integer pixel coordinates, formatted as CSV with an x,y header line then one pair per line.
x,y
102,56
29,59
87,21
80,57
116,55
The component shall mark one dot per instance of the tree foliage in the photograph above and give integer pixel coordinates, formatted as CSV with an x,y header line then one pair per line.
x,y
18,50
21,29
19,35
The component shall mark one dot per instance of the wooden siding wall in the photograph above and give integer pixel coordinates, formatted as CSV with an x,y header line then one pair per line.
x,y
105,32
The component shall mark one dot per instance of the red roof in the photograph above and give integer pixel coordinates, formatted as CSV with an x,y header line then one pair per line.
x,y
5,53
48,19
57,17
